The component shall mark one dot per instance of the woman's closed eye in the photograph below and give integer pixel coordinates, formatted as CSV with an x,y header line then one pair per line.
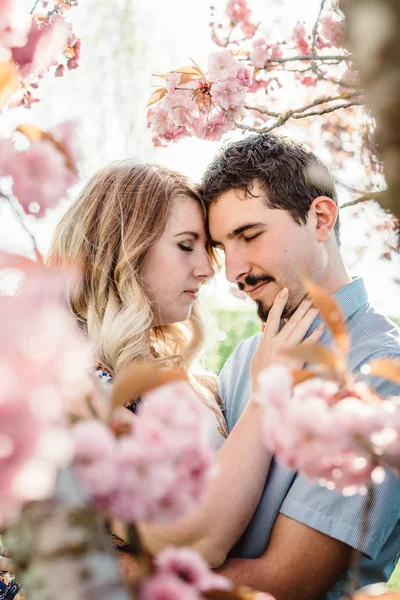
x,y
185,248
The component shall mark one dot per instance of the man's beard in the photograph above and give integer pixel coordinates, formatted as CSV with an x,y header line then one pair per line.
x,y
263,311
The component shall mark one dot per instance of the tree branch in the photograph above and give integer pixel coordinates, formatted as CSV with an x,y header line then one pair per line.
x,y
380,197
324,111
17,212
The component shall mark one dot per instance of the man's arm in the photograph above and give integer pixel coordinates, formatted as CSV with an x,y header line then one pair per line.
x,y
300,563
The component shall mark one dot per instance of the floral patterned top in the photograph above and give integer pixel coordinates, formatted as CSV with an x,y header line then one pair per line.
x,y
216,425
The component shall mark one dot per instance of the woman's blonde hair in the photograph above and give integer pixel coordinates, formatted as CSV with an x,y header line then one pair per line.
x,y
119,215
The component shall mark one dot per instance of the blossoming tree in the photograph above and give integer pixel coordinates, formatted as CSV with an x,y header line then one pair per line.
x,y
263,77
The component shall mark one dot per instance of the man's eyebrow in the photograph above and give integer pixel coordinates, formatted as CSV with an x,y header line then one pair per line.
x,y
243,228
192,233
238,231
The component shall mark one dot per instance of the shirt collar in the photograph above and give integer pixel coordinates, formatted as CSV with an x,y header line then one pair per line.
x,y
350,298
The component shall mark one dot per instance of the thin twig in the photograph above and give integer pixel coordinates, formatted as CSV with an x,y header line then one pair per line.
x,y
324,111
311,57
316,102
17,212
379,197
34,6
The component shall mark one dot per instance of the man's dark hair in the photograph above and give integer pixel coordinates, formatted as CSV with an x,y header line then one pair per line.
x,y
289,173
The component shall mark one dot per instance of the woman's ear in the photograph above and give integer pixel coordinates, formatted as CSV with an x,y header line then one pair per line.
x,y
325,212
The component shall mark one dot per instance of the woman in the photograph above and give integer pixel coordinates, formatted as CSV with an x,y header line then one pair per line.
x,y
137,232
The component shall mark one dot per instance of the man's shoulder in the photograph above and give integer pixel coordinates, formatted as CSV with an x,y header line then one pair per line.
x,y
375,334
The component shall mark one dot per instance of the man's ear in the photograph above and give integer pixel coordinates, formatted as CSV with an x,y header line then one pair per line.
x,y
325,212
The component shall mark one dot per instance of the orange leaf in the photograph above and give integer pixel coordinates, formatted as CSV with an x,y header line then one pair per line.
x,y
139,378
34,134
300,375
187,77
318,355
189,71
330,313
388,368
162,75
9,80
156,96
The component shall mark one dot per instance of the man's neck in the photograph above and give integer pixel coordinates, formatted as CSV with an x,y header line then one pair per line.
x,y
335,277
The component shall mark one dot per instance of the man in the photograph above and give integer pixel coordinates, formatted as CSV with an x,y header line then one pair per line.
x,y
272,209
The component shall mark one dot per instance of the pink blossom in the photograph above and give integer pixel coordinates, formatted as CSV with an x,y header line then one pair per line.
x,y
40,176
44,363
260,53
222,65
167,587
238,11
331,434
229,95
187,565
332,31
158,470
301,38
15,21
45,43
214,128
245,76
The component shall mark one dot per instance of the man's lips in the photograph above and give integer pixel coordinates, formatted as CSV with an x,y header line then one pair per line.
x,y
258,289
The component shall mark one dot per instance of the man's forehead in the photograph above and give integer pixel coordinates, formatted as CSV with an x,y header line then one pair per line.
x,y
234,209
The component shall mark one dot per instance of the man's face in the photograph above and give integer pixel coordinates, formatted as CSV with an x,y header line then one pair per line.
x,y
265,249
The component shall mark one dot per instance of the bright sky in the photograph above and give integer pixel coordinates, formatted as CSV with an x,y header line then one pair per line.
x,y
107,95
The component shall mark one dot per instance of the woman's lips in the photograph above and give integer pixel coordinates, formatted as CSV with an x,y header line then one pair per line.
x,y
191,293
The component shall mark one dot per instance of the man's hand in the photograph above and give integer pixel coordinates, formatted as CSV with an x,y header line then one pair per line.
x,y
274,343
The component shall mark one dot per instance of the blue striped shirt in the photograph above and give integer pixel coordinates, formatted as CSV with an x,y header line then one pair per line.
x,y
371,336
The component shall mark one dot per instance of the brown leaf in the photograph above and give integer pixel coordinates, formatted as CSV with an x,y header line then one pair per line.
x,y
318,355
189,71
388,368
188,77
35,134
162,75
300,375
137,379
330,313
156,96
9,80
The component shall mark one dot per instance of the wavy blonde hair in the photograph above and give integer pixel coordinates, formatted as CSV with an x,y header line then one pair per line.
x,y
119,215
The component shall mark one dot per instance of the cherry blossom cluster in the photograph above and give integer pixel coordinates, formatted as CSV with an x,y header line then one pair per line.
x,y
281,68
342,436
193,103
42,173
181,574
157,469
36,42
44,371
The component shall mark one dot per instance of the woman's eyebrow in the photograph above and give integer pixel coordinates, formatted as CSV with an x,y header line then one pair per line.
x,y
192,233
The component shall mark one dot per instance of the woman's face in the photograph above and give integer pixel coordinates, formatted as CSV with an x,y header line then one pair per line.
x,y
177,264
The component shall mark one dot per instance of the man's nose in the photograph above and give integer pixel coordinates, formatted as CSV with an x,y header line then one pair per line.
x,y
235,267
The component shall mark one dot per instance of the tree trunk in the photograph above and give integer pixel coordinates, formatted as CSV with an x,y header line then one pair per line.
x,y
373,33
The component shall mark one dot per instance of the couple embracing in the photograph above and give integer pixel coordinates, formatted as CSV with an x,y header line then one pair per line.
x,y
146,239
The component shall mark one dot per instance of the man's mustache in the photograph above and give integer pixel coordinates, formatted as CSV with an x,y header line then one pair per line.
x,y
252,280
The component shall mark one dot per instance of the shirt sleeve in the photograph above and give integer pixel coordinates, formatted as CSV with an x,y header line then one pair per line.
x,y
341,517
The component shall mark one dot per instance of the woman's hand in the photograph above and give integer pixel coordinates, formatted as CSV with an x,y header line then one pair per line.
x,y
274,343
6,563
